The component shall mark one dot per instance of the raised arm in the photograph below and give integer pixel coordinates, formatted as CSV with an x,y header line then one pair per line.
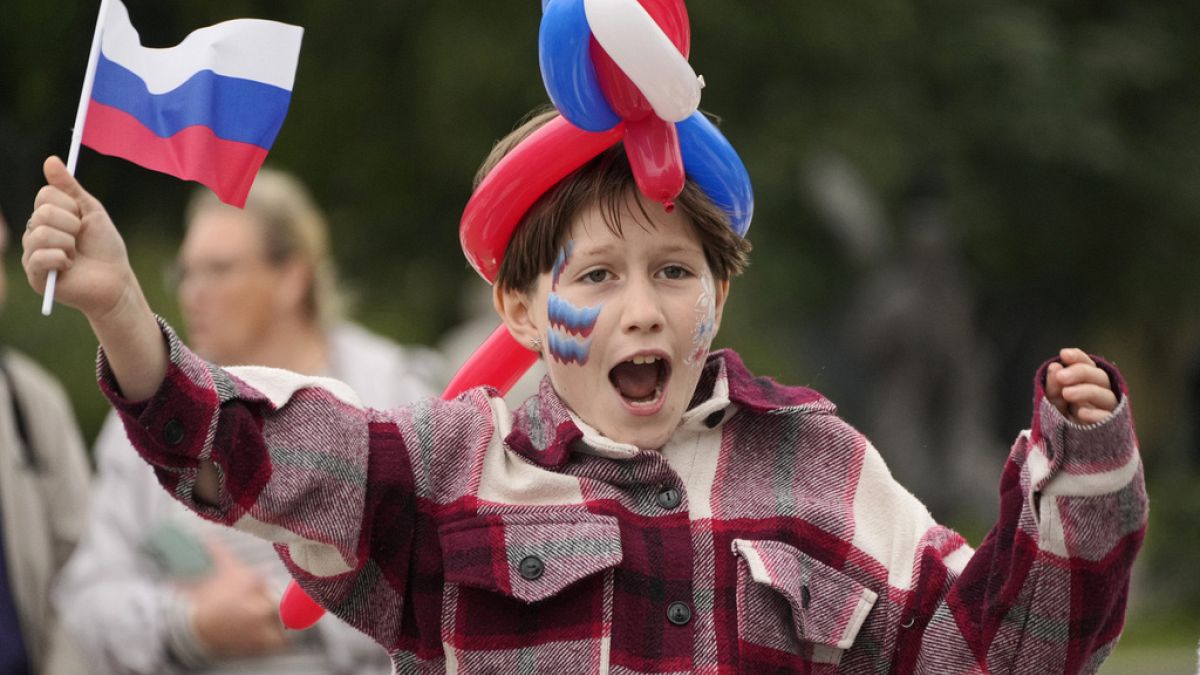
x,y
1047,589
70,232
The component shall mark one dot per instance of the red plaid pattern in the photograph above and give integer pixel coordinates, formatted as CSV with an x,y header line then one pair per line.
x,y
467,538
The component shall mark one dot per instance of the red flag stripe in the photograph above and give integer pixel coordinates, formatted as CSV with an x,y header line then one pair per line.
x,y
194,153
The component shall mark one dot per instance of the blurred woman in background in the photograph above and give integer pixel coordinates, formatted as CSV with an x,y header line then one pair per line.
x,y
155,589
44,478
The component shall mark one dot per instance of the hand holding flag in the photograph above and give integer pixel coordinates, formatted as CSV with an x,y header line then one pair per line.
x,y
207,109
70,231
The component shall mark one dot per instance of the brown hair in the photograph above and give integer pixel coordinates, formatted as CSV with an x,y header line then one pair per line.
x,y
605,180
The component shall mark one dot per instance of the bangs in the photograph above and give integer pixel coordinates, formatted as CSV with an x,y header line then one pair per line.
x,y
606,181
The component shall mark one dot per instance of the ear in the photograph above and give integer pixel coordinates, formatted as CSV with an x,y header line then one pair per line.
x,y
721,289
517,311
295,278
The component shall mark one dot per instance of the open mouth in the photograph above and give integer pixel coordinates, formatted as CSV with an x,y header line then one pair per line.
x,y
640,380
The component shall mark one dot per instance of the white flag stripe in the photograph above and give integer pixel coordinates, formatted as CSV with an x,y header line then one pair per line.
x,y
646,55
251,49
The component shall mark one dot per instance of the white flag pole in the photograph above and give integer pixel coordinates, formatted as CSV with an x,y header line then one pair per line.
x,y
89,79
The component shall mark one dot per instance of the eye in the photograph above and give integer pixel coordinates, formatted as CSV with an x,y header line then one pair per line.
x,y
597,276
221,267
675,272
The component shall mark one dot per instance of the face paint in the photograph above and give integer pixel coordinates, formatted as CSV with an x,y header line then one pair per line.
x,y
706,320
566,349
570,326
568,318
564,257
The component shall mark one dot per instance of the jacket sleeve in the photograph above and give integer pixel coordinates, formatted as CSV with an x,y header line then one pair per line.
x,y
303,464
1047,589
115,605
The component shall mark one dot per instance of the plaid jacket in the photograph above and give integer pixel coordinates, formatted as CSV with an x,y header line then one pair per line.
x,y
767,535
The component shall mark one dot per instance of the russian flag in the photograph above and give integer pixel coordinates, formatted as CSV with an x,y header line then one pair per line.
x,y
206,110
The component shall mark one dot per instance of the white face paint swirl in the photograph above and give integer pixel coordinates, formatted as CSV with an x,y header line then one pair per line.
x,y
706,320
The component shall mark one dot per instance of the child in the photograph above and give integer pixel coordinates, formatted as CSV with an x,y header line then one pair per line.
x,y
655,508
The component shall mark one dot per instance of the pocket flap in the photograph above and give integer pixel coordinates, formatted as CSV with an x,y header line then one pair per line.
x,y
828,607
529,556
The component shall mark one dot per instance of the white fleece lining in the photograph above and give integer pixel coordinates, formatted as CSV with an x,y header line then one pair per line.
x,y
318,559
279,385
1052,540
1092,484
507,478
957,561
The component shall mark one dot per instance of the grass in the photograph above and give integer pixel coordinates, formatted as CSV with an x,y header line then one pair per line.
x,y
1156,643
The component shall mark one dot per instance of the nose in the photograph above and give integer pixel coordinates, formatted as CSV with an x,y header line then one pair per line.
x,y
191,295
642,310
186,289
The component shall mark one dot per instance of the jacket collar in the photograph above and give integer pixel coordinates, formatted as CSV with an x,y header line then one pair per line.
x,y
545,431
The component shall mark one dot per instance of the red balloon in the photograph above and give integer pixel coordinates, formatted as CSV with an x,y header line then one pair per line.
x,y
622,94
297,610
672,17
502,199
652,145
499,362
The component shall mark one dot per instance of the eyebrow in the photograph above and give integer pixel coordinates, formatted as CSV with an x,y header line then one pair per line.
x,y
592,252
672,249
581,254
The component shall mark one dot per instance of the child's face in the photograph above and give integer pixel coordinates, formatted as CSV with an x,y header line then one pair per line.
x,y
626,322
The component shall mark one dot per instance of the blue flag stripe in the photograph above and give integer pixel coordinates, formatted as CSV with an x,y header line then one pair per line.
x,y
235,109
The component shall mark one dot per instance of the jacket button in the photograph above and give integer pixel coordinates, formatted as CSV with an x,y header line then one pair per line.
x,y
679,613
172,432
669,498
714,419
531,568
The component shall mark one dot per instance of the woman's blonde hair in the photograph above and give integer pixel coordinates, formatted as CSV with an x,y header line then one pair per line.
x,y
293,228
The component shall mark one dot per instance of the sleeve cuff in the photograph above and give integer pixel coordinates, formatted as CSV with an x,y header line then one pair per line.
x,y
108,381
1072,459
170,428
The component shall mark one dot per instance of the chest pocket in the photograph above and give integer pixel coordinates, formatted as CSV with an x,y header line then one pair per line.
x,y
526,591
529,557
789,602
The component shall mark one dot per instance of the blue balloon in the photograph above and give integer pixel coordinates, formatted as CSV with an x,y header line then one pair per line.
x,y
567,69
710,161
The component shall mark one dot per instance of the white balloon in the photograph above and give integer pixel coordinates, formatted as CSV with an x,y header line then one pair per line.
x,y
646,55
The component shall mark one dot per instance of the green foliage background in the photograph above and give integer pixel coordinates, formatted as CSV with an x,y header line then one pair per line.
x,y
1065,137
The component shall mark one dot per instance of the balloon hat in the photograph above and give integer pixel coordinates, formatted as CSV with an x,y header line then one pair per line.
x,y
617,71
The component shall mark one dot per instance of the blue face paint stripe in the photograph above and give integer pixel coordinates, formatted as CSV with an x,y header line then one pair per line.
x,y
566,349
568,339
560,263
571,319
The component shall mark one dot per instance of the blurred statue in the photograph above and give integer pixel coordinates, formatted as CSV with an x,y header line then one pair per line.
x,y
911,330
